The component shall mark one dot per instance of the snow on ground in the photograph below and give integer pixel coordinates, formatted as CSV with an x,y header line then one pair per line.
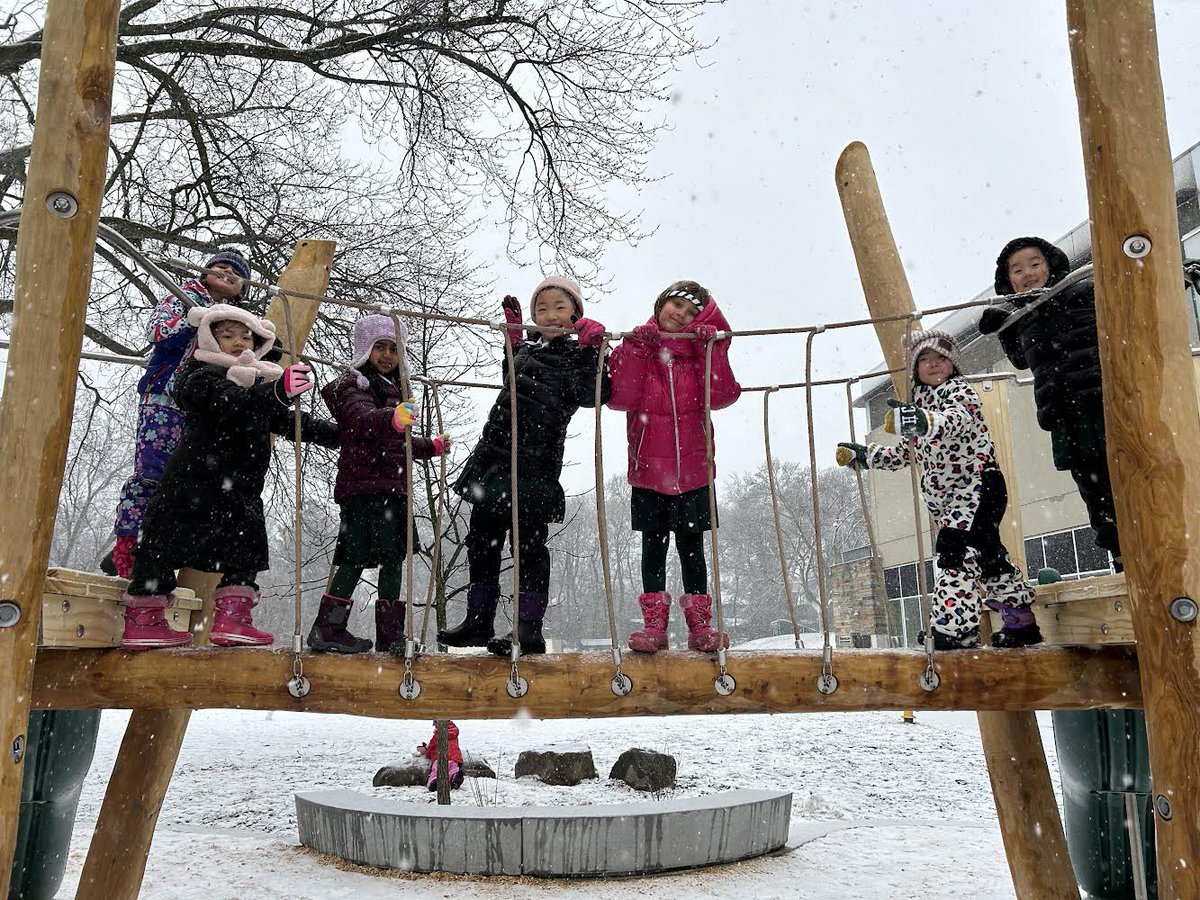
x,y
881,809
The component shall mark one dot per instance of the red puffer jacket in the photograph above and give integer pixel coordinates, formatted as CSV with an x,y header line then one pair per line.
x,y
661,388
453,753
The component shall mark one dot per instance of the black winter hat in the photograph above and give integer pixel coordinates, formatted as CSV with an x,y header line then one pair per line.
x,y
1059,264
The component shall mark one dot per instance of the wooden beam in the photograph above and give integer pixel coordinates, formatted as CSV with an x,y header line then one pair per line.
x,y
1025,805
55,248
1151,415
116,859
576,685
308,273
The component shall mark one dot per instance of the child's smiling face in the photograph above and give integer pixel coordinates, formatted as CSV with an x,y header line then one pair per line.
x,y
553,308
223,282
232,337
676,314
1028,270
932,368
385,356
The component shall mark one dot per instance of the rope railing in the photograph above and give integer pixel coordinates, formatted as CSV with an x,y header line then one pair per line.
x,y
517,685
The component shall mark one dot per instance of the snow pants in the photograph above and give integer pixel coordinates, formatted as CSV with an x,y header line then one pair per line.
x,y
974,566
159,427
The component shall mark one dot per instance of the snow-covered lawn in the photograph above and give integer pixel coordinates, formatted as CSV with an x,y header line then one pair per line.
x,y
881,809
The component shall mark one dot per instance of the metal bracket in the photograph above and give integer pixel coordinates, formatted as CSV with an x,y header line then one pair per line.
x,y
621,684
298,686
17,751
725,684
62,204
930,680
517,686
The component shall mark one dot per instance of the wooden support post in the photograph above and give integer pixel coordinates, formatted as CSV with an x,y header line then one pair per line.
x,y
1149,397
1025,804
116,859
55,248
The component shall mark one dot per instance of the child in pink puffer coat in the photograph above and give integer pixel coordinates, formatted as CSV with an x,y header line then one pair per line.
x,y
659,383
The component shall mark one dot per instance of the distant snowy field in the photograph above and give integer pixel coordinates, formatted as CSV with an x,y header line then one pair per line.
x,y
881,809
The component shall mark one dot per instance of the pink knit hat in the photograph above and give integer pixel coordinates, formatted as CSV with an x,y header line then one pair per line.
x,y
566,285
372,328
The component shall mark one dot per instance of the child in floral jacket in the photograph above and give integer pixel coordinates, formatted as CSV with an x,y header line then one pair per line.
x,y
965,494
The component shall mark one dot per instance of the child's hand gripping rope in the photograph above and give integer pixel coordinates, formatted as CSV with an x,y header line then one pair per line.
x,y
591,332
441,444
405,415
905,420
512,314
705,332
296,380
853,455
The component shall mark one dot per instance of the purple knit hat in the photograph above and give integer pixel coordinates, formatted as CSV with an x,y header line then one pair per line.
x,y
370,329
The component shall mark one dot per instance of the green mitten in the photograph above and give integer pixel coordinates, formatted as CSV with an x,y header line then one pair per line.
x,y
854,455
905,420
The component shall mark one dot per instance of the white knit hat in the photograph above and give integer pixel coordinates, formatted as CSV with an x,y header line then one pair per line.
x,y
250,364
934,339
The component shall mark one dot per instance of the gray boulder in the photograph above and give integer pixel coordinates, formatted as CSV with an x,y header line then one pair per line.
x,y
562,767
645,770
414,771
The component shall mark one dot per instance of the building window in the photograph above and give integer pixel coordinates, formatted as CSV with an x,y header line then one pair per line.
x,y
1073,552
904,600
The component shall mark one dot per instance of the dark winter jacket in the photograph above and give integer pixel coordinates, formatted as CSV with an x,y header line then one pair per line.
x,y
371,460
554,379
1057,341
207,512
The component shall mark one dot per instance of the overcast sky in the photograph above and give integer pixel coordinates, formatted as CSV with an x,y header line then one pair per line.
x,y
969,112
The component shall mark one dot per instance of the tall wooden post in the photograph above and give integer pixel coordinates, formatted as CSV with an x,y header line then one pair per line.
x,y
116,860
61,209
1012,745
1149,398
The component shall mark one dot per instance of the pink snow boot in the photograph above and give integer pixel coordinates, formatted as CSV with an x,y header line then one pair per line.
x,y
146,627
656,609
697,611
232,626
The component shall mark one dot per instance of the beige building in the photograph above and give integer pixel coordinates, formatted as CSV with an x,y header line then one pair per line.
x,y
1053,518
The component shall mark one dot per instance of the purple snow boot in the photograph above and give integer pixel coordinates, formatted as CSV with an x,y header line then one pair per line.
x,y
529,627
656,610
329,634
389,626
1019,627
697,612
478,627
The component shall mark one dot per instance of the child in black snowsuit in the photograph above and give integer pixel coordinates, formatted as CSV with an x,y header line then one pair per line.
x,y
555,375
1057,341
207,513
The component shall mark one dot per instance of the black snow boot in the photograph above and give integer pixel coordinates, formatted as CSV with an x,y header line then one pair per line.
x,y
532,609
328,633
389,626
943,642
478,627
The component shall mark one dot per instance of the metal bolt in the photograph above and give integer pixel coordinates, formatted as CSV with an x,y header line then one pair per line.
x,y
1163,807
66,606
17,752
1184,609
1136,246
1118,605
1104,628
79,631
62,204
10,614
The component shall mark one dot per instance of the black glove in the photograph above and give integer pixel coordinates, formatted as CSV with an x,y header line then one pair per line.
x,y
992,319
853,455
1191,274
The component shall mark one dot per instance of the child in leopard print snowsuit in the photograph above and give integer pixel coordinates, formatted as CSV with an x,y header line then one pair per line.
x,y
964,492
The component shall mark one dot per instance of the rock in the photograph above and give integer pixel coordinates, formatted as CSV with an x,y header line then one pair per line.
x,y
645,770
556,767
414,771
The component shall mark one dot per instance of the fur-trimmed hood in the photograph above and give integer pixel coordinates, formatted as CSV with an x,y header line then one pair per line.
x,y
246,368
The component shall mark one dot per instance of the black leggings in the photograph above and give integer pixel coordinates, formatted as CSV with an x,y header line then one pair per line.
x,y
485,541
983,535
149,578
689,545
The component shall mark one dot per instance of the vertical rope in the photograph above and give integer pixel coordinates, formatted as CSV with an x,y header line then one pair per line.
x,y
436,513
298,521
783,568
405,394
515,540
922,582
819,550
712,503
862,499
602,503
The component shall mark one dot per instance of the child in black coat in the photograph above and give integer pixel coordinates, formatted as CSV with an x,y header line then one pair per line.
x,y
207,513
555,376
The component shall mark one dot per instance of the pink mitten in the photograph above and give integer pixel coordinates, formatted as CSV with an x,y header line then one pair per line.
x,y
297,380
242,375
648,334
591,332
704,332
512,315
441,444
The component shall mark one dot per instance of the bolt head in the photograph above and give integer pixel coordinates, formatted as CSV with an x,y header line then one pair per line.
x,y
1163,807
1184,609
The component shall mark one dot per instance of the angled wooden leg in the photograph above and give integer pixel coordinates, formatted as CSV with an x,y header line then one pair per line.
x,y
116,859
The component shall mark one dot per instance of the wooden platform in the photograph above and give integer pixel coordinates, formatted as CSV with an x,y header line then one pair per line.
x,y
1088,612
572,685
